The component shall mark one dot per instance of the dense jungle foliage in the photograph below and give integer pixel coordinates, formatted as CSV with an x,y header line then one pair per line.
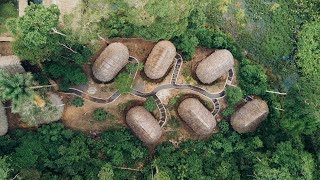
x,y
275,42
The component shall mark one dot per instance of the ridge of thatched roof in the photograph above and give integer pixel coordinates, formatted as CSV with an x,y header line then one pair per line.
x,y
3,121
214,66
144,125
11,64
113,58
249,116
160,59
197,116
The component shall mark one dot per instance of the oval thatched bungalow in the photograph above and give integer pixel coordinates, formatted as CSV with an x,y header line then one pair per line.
x,y
160,59
144,125
249,116
214,66
197,116
110,62
3,121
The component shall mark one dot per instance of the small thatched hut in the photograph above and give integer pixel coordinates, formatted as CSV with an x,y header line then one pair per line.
x,y
249,116
214,66
58,104
160,59
3,121
144,125
197,116
11,64
110,62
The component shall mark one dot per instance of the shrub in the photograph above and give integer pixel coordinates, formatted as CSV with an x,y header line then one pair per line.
x,y
100,115
233,95
150,104
228,111
77,102
123,83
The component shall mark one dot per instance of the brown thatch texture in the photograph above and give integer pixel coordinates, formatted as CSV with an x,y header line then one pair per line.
x,y
11,64
249,116
144,125
3,121
197,116
214,66
110,62
160,59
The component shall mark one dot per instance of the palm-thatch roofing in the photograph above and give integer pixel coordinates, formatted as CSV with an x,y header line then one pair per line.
x,y
58,104
160,59
3,121
11,64
197,116
249,116
214,66
110,62
144,125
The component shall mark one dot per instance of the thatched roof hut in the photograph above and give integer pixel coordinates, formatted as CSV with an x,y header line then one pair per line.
x,y
11,64
58,104
160,59
214,66
249,116
197,116
3,121
144,125
110,62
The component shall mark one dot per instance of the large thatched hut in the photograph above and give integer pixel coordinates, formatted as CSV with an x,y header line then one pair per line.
x,y
197,116
11,64
144,125
110,62
3,121
214,66
160,59
249,116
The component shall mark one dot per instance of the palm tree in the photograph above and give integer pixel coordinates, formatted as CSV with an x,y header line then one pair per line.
x,y
17,88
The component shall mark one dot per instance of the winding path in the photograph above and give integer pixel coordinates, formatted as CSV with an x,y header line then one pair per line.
x,y
173,85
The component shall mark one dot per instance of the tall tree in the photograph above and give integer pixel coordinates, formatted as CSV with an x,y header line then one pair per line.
x,y
106,172
302,107
33,33
4,168
16,88
308,54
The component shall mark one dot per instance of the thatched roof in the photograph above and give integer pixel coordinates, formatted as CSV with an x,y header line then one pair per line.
x,y
197,116
249,116
144,125
11,64
160,59
58,104
214,66
110,62
3,121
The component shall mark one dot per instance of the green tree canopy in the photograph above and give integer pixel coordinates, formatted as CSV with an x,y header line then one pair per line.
x,y
106,172
308,54
4,168
302,107
16,88
252,78
34,38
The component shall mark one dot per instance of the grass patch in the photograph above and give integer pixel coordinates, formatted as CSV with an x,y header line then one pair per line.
x,y
173,123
